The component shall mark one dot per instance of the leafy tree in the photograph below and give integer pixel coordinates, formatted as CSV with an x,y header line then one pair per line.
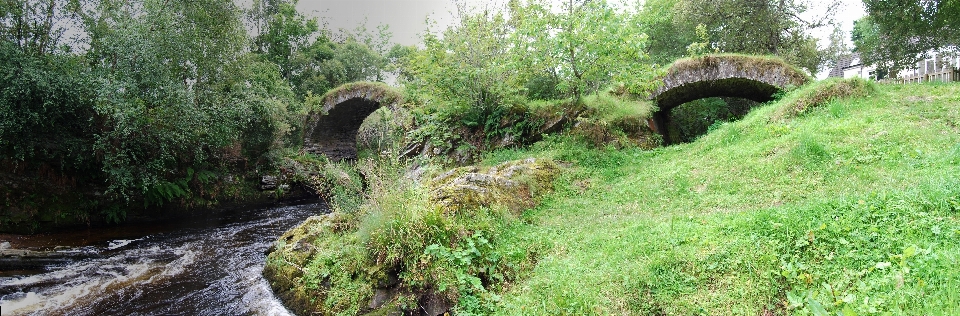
x,y
34,26
468,66
758,27
280,32
836,49
45,103
898,33
306,55
669,38
326,65
584,45
46,110
163,67
397,57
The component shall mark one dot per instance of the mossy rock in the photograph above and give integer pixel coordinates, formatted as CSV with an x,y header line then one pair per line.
x,y
513,184
285,261
332,264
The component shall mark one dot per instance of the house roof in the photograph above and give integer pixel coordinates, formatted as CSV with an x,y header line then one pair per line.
x,y
845,61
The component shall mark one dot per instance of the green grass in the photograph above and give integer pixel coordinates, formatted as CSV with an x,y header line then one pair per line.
x,y
851,208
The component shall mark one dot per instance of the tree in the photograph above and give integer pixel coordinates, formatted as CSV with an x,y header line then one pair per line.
x,y
836,49
280,31
669,38
584,45
758,27
467,67
164,92
34,26
898,33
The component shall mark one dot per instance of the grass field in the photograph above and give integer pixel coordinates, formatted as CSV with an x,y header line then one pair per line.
x,y
850,208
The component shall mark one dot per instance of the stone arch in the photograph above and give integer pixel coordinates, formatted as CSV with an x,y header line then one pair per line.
x,y
755,78
332,131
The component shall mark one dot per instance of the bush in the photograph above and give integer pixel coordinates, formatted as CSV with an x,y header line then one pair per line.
x,y
46,111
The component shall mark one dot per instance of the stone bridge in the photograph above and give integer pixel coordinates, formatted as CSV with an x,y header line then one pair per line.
x,y
332,131
755,78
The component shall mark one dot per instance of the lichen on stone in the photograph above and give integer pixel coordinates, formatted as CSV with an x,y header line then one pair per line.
x,y
514,184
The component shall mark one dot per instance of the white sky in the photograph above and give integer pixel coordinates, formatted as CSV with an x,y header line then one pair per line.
x,y
407,18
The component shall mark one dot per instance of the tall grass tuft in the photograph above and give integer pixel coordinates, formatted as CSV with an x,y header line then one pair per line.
x,y
821,93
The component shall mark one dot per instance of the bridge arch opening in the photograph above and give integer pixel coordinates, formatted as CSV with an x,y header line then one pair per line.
x,y
693,119
332,131
754,78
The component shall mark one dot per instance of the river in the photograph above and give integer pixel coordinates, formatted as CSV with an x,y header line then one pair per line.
x,y
199,266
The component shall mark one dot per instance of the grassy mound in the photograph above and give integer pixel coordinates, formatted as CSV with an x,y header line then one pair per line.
x,y
413,247
821,93
852,210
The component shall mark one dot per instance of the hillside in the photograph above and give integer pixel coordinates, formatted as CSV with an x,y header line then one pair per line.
x,y
852,206
840,197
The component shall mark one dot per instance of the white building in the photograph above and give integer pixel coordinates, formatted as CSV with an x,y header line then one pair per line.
x,y
939,67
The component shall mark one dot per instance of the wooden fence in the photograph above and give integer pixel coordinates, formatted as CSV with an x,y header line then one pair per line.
x,y
946,75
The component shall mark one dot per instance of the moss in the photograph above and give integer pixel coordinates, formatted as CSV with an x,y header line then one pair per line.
x,y
757,78
513,184
742,62
375,91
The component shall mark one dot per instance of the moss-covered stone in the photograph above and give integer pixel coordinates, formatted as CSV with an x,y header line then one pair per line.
x,y
378,260
332,128
756,78
514,184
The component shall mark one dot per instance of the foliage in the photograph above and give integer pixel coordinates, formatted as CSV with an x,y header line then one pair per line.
x,y
37,27
401,242
160,91
696,118
837,48
669,38
466,68
45,110
584,46
898,33
280,32
754,27
150,102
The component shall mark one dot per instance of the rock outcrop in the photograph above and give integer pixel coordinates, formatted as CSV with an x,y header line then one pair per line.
x,y
329,264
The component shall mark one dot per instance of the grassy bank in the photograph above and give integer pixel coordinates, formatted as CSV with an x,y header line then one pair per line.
x,y
850,207
812,205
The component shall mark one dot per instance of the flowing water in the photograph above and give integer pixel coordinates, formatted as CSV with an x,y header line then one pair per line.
x,y
201,266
